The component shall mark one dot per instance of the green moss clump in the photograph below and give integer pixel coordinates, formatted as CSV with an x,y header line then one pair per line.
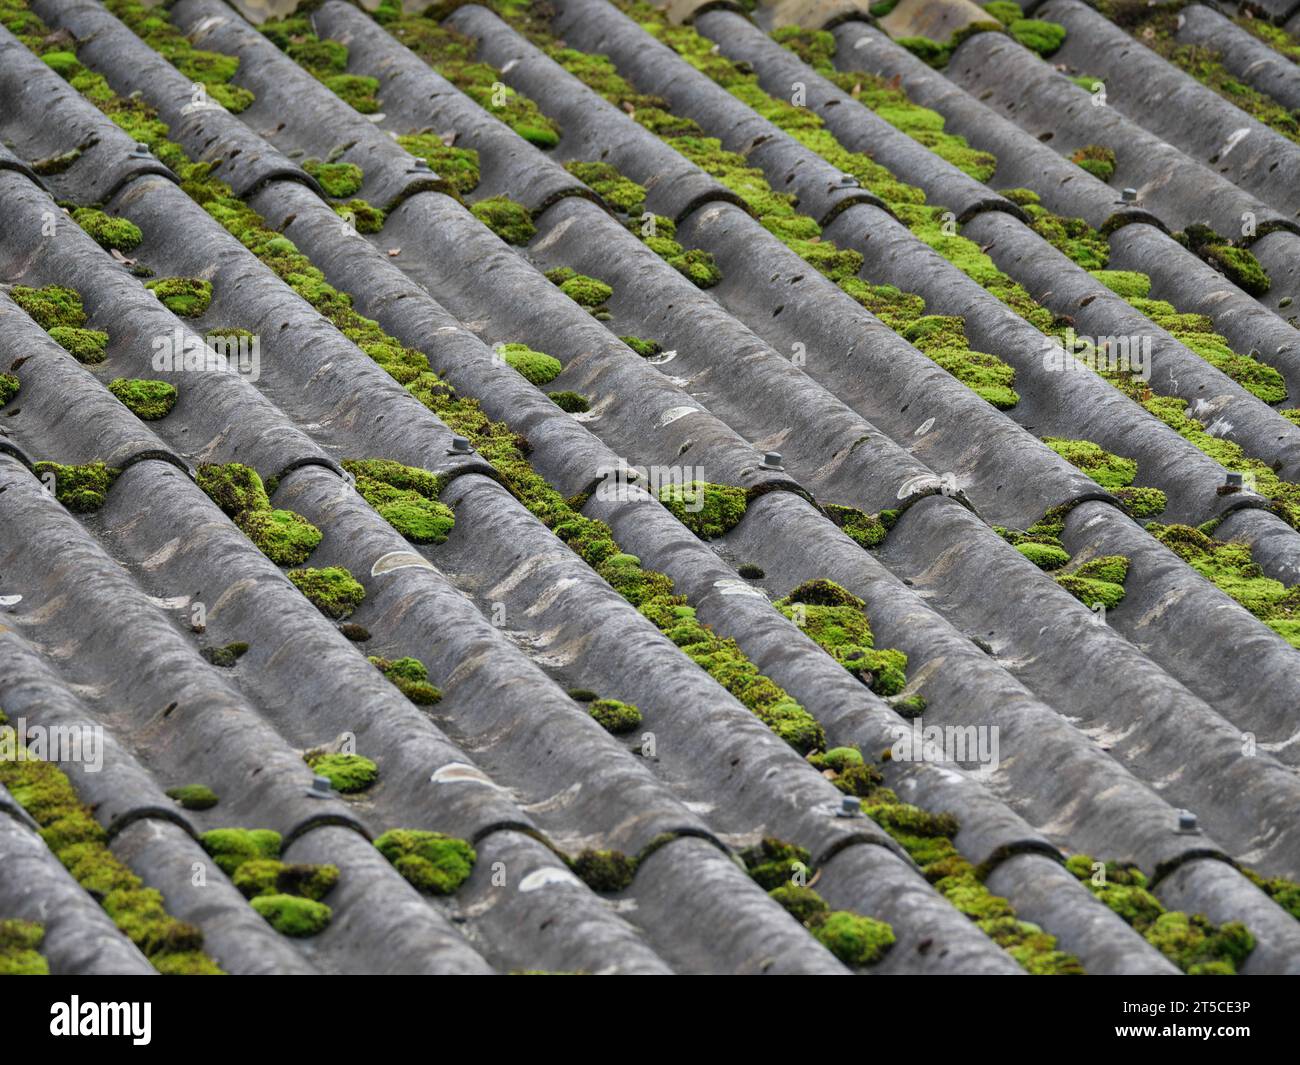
x,y
226,656
583,290
366,218
1229,566
1037,35
801,903
70,830
538,367
507,219
337,180
406,497
1100,580
773,863
286,538
332,589
347,773
614,716
868,530
1097,159
1044,556
269,876
836,621
293,916
87,346
1113,472
854,939
187,297
53,305
81,489
431,862
604,871
233,487
232,847
147,400
194,796
108,232
9,386
1238,265
410,676
570,402
358,91
1005,11
621,193
1126,283
459,167
1072,237
19,955
708,510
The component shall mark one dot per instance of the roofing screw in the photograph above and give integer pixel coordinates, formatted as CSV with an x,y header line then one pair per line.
x,y
1129,195
321,788
141,151
1234,479
419,166
1187,825
849,807
460,446
772,460
848,181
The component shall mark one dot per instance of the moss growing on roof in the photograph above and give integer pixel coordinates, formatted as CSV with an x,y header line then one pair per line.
x,y
1238,265
224,657
696,264
347,773
836,621
232,847
233,486
187,297
70,830
338,180
81,489
1229,566
268,876
358,91
536,366
1037,35
293,916
507,219
708,510
854,939
19,953
108,232
1044,556
410,676
621,193
773,863
87,346
431,862
50,306
194,796
1097,159
1126,283
147,400
614,716
570,402
459,167
332,590
286,538
1100,580
366,218
406,497
1112,472
585,291
604,871
9,386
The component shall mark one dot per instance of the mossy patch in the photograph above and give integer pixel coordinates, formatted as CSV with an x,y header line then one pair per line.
x,y
286,538
260,877
459,167
148,400
507,219
348,773
535,366
50,306
332,589
186,297
647,349
365,217
836,620
604,871
431,862
120,234
224,657
293,916
619,192
1238,265
868,530
708,510
570,402
589,292
1113,472
1037,35
406,497
232,847
233,486
82,489
87,346
194,796
70,830
1097,159
19,948
614,716
410,676
9,387
337,180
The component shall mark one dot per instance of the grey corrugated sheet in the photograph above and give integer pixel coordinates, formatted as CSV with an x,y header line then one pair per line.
x,y
1241,53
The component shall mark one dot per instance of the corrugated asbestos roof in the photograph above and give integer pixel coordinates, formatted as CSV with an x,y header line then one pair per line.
x,y
815,267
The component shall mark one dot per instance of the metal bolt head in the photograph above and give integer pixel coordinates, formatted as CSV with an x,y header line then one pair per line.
x,y
1235,479
848,181
419,166
850,807
1129,195
772,460
141,151
460,446
1187,823
321,788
